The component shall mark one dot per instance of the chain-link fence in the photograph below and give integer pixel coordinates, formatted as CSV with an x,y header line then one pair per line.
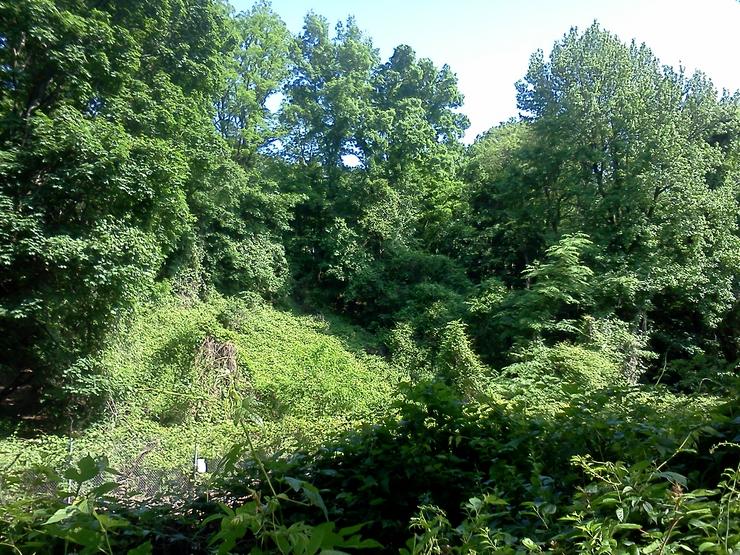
x,y
136,480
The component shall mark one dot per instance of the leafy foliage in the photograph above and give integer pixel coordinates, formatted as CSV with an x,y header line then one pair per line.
x,y
526,345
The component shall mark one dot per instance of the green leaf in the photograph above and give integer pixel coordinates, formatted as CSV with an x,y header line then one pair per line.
x,y
104,489
294,483
143,549
87,469
84,506
349,530
310,491
61,514
628,526
674,477
313,495
108,522
548,509
318,533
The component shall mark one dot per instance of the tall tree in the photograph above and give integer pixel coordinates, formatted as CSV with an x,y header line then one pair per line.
x,y
630,152
329,93
102,104
374,147
259,67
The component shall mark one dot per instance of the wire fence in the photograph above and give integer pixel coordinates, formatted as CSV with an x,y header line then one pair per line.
x,y
136,481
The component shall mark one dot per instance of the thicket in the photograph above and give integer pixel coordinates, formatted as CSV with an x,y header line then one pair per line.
x,y
620,470
562,295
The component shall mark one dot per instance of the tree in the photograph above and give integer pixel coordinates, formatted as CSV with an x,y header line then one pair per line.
x,y
102,106
419,150
328,93
507,223
259,67
636,155
374,147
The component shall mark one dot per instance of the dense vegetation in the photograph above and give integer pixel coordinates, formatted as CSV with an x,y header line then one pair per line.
x,y
388,340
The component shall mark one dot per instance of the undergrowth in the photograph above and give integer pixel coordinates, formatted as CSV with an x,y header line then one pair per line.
x,y
315,446
448,475
157,392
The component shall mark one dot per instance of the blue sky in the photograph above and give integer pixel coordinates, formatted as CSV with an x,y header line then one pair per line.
x,y
488,42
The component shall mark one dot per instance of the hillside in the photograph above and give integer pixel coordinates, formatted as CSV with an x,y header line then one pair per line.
x,y
166,394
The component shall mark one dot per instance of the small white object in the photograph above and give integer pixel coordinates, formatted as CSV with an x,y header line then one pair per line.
x,y
200,466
